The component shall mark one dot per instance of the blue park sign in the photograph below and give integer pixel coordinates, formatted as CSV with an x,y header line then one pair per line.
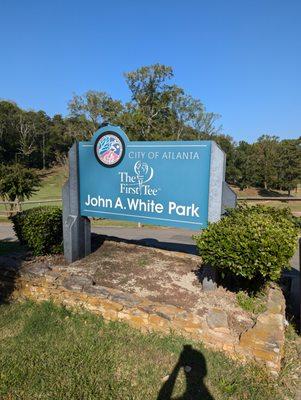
x,y
178,183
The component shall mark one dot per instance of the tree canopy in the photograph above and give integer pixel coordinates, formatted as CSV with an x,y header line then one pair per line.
x,y
157,109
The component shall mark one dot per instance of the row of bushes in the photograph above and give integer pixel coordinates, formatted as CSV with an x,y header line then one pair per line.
x,y
250,242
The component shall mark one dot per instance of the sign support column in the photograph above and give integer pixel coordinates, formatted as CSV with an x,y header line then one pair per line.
x,y
76,229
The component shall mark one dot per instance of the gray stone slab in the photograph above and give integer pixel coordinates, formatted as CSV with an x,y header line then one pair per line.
x,y
76,229
217,174
229,198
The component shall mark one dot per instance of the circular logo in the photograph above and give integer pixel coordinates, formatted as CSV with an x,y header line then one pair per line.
x,y
109,149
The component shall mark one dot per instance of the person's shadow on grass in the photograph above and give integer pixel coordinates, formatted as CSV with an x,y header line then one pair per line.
x,y
194,365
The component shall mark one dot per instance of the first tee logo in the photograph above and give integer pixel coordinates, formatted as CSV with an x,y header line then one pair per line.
x,y
139,182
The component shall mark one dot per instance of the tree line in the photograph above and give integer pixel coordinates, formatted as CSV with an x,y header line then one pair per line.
x,y
157,110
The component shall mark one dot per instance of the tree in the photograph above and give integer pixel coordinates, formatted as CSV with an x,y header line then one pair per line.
x,y
159,110
245,175
9,113
17,184
227,144
289,164
25,128
42,128
97,107
150,99
264,160
189,112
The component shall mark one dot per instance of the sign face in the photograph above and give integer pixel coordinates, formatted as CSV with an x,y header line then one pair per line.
x,y
160,183
180,184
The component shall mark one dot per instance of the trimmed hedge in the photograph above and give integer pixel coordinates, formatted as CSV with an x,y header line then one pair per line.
x,y
250,242
40,229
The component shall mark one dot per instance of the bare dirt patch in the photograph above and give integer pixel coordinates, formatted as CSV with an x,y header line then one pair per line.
x,y
158,275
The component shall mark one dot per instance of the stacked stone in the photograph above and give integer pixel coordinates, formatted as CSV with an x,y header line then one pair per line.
x,y
262,340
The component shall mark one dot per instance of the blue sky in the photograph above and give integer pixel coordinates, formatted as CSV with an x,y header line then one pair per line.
x,y
242,58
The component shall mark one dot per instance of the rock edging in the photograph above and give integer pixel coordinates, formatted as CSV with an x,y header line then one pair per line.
x,y
262,342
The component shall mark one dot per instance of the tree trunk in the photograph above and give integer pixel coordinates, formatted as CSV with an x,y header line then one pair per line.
x,y
17,205
43,150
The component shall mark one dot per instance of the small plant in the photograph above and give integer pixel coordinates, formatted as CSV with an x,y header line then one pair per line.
x,y
40,229
251,242
142,261
254,304
227,386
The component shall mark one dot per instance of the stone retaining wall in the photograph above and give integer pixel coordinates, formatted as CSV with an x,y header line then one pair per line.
x,y
262,341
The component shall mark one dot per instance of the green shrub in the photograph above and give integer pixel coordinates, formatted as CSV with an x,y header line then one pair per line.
x,y
251,242
40,229
277,213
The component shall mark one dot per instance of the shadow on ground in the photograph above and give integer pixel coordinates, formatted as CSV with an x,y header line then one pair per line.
x,y
97,240
271,193
11,259
194,366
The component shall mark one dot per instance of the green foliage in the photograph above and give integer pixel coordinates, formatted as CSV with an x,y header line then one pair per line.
x,y
289,164
251,242
254,304
278,214
40,229
264,159
33,138
158,109
268,163
243,174
17,182
143,261
97,107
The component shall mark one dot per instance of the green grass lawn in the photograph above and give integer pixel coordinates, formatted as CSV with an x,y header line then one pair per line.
x,y
52,183
51,188
48,352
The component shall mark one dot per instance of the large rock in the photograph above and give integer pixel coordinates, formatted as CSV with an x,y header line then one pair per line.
x,y
217,320
265,340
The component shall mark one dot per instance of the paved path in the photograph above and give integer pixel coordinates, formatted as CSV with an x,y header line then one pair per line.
x,y
7,232
167,238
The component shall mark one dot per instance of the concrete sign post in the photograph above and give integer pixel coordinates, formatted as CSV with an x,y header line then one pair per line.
x,y
76,229
180,184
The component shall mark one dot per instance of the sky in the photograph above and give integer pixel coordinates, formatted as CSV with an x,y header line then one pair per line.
x,y
241,58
